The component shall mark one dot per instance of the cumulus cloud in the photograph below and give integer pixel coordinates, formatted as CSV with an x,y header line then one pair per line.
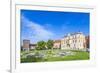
x,y
35,32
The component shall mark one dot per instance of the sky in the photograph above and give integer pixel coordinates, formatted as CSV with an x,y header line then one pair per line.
x,y
43,25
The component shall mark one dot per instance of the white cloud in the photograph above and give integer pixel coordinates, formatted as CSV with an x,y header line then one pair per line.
x,y
36,31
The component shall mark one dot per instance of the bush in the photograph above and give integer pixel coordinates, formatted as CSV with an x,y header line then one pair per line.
x,y
37,57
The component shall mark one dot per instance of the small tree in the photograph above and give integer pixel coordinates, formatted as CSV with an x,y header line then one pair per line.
x,y
49,44
41,45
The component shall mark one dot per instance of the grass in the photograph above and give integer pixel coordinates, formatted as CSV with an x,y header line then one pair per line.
x,y
78,55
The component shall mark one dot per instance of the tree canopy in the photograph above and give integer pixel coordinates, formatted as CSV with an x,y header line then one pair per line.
x,y
49,44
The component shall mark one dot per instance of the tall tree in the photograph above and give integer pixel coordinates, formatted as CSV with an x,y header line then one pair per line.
x,y
41,45
49,44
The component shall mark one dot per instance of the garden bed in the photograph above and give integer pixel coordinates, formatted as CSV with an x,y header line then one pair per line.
x,y
53,55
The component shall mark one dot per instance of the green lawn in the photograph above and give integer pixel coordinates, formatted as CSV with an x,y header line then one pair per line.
x,y
53,55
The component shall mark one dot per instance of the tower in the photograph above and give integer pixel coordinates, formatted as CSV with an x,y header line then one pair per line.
x,y
26,44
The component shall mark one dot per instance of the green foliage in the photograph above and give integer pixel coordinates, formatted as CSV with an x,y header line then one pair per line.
x,y
33,58
41,45
49,56
49,52
49,44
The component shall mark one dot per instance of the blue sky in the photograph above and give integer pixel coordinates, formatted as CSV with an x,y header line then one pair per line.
x,y
43,25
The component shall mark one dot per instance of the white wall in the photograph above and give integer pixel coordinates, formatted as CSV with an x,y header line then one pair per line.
x,y
5,38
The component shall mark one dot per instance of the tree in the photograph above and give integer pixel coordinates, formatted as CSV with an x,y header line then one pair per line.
x,y
41,45
49,44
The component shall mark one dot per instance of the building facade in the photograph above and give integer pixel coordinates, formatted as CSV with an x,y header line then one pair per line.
x,y
32,46
57,44
87,41
74,41
26,45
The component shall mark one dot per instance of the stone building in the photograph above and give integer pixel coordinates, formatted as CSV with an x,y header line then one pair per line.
x,y
26,45
87,41
57,44
75,41
32,46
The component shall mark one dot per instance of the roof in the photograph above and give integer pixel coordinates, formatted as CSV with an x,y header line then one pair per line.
x,y
73,34
57,41
32,44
